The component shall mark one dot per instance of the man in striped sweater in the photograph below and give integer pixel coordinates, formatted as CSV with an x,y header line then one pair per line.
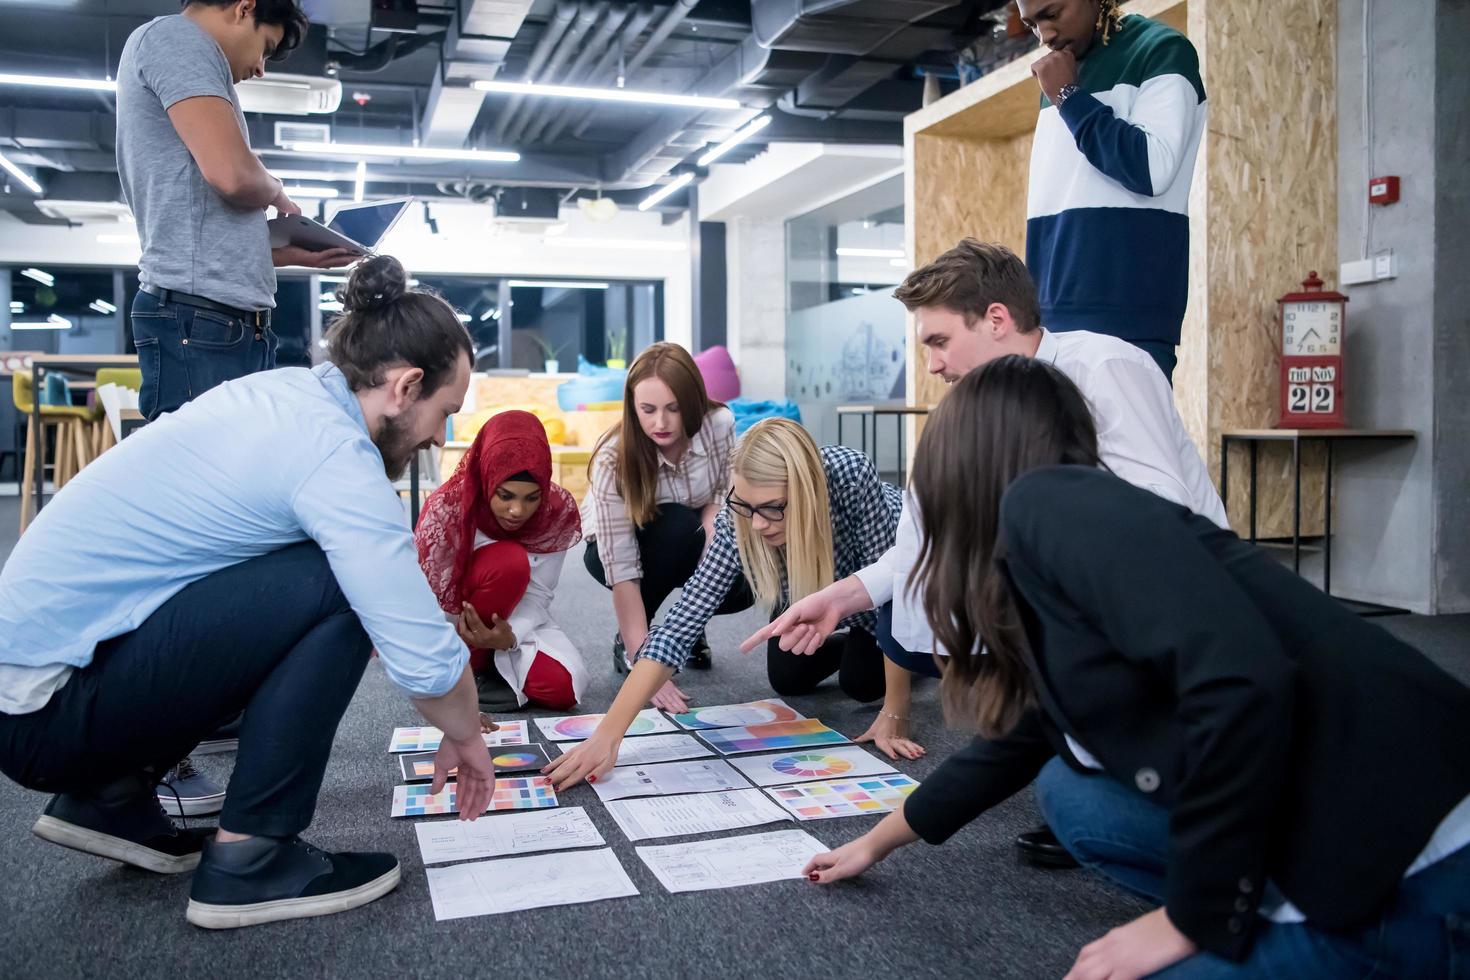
x,y
1107,219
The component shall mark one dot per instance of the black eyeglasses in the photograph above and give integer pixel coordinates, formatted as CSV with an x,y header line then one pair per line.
x,y
775,513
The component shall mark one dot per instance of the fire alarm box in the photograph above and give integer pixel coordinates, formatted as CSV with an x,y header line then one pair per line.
x,y
1383,190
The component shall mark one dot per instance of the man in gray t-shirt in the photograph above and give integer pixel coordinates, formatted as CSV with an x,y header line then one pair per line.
x,y
199,195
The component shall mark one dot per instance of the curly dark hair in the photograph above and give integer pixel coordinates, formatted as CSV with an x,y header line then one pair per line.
x,y
1109,19
285,14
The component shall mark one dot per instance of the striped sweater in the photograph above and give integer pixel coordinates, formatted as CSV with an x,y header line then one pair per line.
x,y
1107,219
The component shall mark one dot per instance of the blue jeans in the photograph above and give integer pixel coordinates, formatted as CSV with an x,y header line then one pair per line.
x,y
273,636
183,351
915,663
1119,834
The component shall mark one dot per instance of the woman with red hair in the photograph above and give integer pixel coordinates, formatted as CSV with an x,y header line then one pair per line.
x,y
492,541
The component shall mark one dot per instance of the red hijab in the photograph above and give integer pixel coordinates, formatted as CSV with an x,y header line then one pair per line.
x,y
509,444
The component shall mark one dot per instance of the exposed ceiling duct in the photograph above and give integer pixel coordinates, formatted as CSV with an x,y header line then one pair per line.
x,y
475,47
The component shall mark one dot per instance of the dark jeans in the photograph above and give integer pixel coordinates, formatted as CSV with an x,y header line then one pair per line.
x,y
273,637
915,663
1164,353
184,351
854,658
671,546
1119,834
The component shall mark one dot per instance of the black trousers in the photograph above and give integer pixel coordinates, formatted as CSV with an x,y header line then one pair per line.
x,y
855,658
670,546
274,637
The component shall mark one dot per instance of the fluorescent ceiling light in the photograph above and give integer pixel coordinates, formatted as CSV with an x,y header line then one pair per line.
x,y
44,278
555,284
871,253
301,190
621,244
740,136
486,315
52,322
53,81
119,239
288,174
102,306
26,180
359,181
605,94
665,190
398,152
463,317
16,306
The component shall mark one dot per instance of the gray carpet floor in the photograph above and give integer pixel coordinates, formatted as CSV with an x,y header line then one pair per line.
x,y
964,909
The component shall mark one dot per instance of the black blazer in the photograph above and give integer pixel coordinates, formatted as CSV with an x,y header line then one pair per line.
x,y
1287,737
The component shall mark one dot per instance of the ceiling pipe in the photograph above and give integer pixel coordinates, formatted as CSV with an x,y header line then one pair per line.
x,y
615,16
605,72
550,34
570,41
676,15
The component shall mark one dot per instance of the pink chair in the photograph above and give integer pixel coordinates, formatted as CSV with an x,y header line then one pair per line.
x,y
720,377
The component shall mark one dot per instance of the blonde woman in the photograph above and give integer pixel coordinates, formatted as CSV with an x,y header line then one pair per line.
x,y
658,479
797,518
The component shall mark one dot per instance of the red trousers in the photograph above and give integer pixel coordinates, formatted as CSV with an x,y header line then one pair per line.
x,y
495,583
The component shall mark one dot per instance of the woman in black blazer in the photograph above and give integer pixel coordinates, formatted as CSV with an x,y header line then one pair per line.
x,y
1289,781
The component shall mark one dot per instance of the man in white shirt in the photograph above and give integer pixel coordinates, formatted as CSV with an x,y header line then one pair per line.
x,y
973,304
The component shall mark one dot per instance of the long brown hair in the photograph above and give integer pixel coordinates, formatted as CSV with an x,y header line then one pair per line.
x,y
637,455
1012,415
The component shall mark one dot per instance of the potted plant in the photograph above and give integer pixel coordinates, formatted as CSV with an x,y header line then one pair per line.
x,y
616,339
553,365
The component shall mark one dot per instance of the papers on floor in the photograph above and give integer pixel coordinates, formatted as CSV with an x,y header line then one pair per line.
x,y
418,767
567,728
668,779
844,797
701,813
729,862
781,768
513,833
511,793
768,738
655,748
735,715
426,738
513,884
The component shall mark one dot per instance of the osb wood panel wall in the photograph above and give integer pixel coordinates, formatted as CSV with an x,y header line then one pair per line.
x,y
1271,213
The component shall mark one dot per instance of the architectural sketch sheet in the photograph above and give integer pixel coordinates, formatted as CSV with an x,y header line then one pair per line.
x,y
655,748
668,778
513,833
729,862
513,884
700,813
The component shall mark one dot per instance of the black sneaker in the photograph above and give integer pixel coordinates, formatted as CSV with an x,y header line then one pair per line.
x,y
124,822
700,659
226,738
1040,848
186,792
496,694
267,879
620,655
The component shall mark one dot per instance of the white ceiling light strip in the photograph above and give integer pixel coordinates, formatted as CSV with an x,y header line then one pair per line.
x,y
605,95
740,136
665,191
389,151
26,180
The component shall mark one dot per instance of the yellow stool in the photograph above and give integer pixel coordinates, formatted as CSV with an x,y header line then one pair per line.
x,y
69,422
102,437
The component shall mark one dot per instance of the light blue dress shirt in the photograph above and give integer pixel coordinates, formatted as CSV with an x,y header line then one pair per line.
x,y
248,468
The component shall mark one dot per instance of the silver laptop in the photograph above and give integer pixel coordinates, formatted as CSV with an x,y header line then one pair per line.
x,y
356,227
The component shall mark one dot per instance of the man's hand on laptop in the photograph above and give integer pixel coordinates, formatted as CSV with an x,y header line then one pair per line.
x,y
332,258
284,205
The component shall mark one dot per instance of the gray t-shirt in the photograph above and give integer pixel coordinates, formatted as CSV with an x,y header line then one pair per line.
x,y
193,239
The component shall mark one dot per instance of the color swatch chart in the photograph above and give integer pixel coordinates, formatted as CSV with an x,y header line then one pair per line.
x,y
418,767
844,797
565,729
767,738
803,765
736,715
427,738
511,793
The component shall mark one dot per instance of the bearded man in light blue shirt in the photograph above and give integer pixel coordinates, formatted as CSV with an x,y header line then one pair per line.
x,y
250,549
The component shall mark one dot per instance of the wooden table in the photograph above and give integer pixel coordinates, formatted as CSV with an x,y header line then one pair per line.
x,y
871,413
1329,438
78,363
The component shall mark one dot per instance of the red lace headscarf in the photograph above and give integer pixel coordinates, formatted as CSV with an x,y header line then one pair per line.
x,y
510,443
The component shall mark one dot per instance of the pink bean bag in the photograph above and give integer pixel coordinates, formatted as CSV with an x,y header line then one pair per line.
x,y
720,378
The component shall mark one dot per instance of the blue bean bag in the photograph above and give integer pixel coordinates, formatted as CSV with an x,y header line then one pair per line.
x,y
593,383
748,413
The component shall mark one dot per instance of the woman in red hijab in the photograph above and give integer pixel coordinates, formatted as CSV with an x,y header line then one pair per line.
x,y
492,541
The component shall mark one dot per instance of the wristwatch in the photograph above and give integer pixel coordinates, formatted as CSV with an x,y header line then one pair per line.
x,y
1066,92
